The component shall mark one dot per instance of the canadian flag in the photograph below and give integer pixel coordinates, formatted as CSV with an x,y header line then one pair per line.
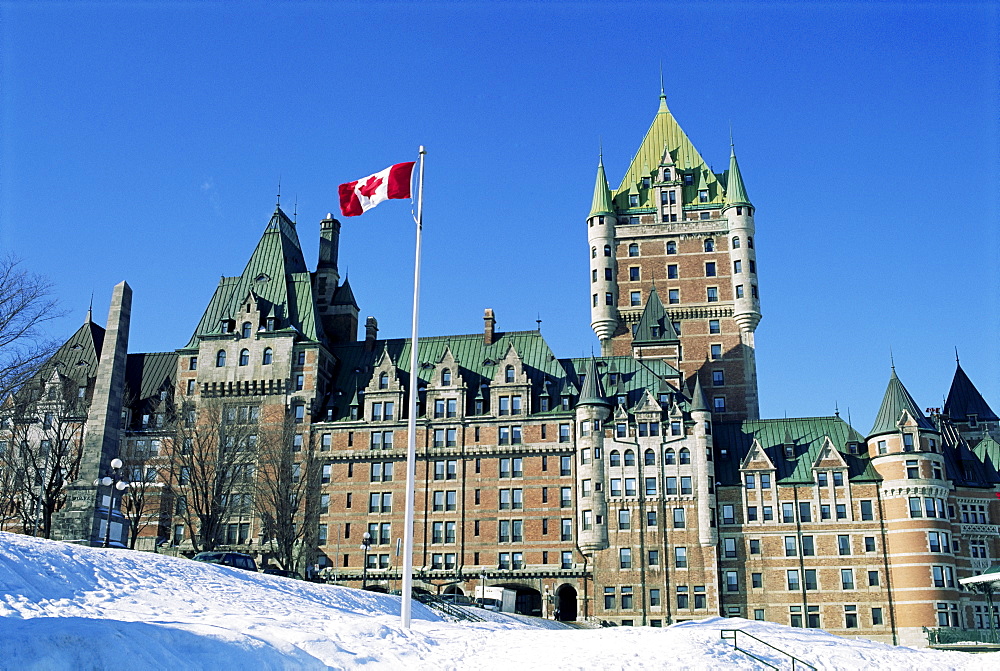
x,y
361,195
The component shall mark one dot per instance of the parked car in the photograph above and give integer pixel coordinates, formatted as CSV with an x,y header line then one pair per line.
x,y
234,559
283,573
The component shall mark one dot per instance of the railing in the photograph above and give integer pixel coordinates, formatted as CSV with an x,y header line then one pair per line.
x,y
449,608
950,635
732,635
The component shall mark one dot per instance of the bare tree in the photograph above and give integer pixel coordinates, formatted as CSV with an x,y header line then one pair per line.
x,y
25,305
287,493
211,459
142,503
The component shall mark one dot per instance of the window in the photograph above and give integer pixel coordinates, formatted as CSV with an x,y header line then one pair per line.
x,y
751,513
680,557
609,299
718,378
841,511
844,544
867,514
732,581
684,456
808,547
671,487
565,497
729,545
792,577
713,294
790,546
624,519
193,363
633,274
710,269
220,358
739,291
715,351
750,242
838,478
754,546
876,616
673,296
625,558
728,511
873,579
678,518
299,412
719,404
846,578
629,458
765,482
787,512
671,247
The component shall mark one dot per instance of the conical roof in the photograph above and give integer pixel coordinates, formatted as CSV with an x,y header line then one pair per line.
x,y
592,392
698,401
655,327
964,400
602,194
736,193
895,401
344,295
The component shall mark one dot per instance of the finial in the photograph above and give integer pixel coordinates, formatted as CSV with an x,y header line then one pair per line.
x,y
956,354
662,92
90,308
295,209
732,146
538,320
836,409
278,204
848,415
892,362
600,150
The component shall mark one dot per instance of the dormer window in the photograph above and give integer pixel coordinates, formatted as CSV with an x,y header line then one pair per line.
x,y
666,174
633,200
907,442
260,279
645,182
973,421
383,381
688,179
446,377
247,330
271,323
508,375
703,195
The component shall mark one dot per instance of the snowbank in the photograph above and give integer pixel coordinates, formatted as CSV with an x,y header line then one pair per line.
x,y
69,607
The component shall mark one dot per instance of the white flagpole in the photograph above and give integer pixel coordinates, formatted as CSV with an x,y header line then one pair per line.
x,y
411,427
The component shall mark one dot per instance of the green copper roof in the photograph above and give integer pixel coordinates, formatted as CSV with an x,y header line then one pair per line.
x,y
147,374
277,274
665,135
895,401
592,391
654,326
602,194
736,193
808,435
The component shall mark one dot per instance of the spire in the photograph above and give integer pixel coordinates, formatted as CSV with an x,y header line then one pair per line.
x,y
698,401
592,392
736,193
602,195
655,327
964,399
894,403
90,310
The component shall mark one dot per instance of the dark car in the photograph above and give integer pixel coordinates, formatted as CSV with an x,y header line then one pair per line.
x,y
283,573
234,559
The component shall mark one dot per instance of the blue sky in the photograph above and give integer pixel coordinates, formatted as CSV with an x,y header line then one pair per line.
x,y
145,141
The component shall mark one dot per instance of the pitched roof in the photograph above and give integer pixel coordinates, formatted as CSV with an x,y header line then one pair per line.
x,y
698,401
895,401
964,400
344,295
277,274
666,137
146,374
808,435
592,391
654,326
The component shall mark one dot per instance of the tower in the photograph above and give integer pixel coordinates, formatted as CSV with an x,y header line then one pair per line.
x,y
335,302
676,225
591,411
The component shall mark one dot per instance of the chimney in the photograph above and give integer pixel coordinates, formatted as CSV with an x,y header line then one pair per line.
x,y
489,326
371,333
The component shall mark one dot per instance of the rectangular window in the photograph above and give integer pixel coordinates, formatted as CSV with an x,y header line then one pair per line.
x,y
847,578
729,547
732,581
790,546
844,544
678,518
768,511
876,616
680,557
805,512
751,513
672,271
873,579
792,577
810,579
787,512
654,558
808,547
609,598
654,597
625,558
867,513
754,546
635,298
715,351
710,269
712,294
673,296
682,597
728,511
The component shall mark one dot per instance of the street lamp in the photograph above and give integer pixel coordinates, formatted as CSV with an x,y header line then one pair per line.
x,y
114,480
366,542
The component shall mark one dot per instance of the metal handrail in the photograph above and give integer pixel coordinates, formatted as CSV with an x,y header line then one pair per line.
x,y
796,662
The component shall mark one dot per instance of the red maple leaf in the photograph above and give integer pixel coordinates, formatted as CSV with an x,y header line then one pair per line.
x,y
369,187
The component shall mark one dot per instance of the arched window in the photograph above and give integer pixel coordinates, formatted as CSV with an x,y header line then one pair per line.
x,y
633,249
220,358
671,247
508,375
607,250
446,377
685,455
615,458
629,458
649,457
736,242
749,242
268,356
383,381
668,455
246,330
593,252
709,245
244,357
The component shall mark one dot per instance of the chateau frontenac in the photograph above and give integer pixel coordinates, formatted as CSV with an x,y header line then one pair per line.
x,y
639,487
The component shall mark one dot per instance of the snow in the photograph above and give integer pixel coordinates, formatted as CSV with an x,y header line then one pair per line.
x,y
70,607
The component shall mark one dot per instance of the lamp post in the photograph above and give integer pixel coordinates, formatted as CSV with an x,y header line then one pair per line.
x,y
114,481
366,542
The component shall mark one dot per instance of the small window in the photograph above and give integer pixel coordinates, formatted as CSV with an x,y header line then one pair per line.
x,y
673,296
633,200
193,363
635,298
715,351
244,357
593,252
247,330
671,247
713,294
220,358
703,198
710,269
672,271
607,250
736,242
446,377
633,274
383,381
268,356
714,326
633,249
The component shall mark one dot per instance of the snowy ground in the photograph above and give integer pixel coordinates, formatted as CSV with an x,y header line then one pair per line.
x,y
69,607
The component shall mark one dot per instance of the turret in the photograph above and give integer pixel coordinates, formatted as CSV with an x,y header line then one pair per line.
x,y
338,309
704,468
591,411
739,213
603,283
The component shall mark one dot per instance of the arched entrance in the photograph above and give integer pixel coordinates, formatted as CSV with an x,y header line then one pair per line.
x,y
454,589
529,599
566,603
